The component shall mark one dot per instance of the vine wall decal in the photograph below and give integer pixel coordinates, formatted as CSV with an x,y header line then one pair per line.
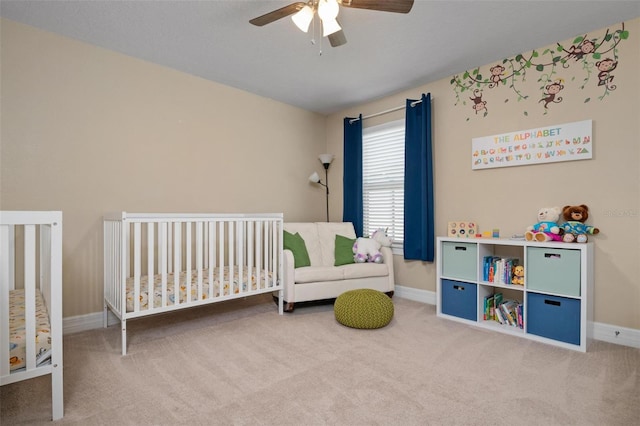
x,y
591,55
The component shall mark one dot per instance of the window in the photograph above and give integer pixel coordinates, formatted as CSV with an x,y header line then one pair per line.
x,y
383,180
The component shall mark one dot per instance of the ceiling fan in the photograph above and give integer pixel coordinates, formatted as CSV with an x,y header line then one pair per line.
x,y
327,10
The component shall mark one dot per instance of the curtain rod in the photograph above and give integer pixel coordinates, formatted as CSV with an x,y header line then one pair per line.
x,y
414,103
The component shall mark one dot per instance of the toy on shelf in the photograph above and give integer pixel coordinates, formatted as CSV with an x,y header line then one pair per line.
x,y
368,249
575,229
462,229
547,228
518,275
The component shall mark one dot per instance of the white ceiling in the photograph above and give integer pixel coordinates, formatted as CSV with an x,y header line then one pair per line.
x,y
385,52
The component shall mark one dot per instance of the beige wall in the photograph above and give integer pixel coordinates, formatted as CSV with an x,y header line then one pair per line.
x,y
86,131
509,198
89,131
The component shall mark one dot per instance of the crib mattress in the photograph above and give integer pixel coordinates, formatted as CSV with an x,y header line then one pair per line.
x,y
249,282
17,330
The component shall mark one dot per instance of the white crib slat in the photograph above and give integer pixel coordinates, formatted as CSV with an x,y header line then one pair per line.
x,y
249,243
240,250
211,256
187,266
5,285
30,294
221,262
199,247
136,266
150,264
163,243
177,262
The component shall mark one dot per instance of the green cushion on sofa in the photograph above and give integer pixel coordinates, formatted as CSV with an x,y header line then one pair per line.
x,y
295,243
344,250
363,308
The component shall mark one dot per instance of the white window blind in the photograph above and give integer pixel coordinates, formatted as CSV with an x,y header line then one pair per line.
x,y
383,180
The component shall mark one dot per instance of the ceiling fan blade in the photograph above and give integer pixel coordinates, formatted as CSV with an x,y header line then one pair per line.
x,y
272,16
398,6
337,39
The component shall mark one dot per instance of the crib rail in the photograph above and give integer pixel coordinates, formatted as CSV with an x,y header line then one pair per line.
x,y
163,262
31,260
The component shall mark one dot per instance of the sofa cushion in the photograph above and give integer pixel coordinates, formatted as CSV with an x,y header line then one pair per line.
x,y
309,232
344,250
364,270
296,244
327,232
311,274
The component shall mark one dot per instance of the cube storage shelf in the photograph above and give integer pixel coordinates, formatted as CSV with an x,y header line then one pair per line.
x,y
557,295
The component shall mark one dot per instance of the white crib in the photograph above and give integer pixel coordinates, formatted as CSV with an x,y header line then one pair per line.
x,y
155,263
31,299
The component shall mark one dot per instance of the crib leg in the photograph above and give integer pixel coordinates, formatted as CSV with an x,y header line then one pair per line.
x,y
57,399
105,317
281,302
123,324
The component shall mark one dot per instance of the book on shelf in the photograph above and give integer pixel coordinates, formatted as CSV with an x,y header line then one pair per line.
x,y
498,270
508,307
520,315
497,300
499,317
488,307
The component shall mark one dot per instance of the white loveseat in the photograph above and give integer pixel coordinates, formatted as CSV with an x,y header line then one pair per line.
x,y
322,280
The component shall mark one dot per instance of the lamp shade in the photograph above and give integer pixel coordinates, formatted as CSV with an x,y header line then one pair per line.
x,y
328,9
315,178
303,18
330,26
326,158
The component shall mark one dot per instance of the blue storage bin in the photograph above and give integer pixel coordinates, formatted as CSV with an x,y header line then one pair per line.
x,y
459,299
554,317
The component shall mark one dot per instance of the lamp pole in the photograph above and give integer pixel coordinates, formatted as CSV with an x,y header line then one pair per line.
x,y
326,181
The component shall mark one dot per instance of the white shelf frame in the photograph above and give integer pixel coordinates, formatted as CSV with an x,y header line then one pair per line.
x,y
488,246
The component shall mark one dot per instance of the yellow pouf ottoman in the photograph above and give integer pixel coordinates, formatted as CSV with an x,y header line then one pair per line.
x,y
363,308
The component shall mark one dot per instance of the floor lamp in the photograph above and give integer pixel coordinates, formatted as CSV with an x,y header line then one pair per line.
x,y
326,160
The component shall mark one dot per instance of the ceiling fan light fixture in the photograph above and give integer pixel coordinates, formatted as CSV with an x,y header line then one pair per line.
x,y
330,26
303,18
328,10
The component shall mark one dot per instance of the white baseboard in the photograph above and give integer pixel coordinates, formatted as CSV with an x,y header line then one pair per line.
x,y
86,322
598,331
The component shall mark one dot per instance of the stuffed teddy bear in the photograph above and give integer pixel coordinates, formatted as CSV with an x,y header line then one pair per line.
x,y
368,249
518,275
574,226
547,228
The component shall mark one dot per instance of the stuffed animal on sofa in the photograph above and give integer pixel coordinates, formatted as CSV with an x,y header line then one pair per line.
x,y
575,229
368,249
547,228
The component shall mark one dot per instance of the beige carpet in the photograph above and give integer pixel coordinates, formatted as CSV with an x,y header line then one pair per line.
x,y
241,363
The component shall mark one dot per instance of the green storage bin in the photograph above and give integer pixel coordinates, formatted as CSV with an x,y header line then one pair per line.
x,y
460,260
553,270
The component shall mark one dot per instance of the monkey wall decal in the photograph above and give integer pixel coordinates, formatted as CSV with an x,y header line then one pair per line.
x,y
552,90
596,56
496,75
585,47
605,77
478,103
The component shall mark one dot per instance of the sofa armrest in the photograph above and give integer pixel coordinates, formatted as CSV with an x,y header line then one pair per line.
x,y
288,276
387,259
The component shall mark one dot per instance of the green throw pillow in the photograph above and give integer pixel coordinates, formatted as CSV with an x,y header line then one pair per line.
x,y
295,243
344,250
